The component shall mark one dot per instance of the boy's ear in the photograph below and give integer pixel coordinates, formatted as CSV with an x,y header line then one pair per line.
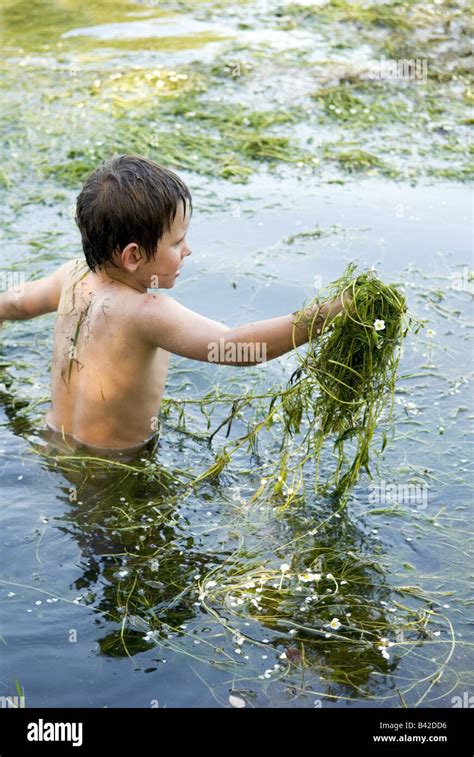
x,y
131,256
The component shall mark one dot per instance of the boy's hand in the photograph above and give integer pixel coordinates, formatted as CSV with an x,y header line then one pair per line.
x,y
328,310
331,308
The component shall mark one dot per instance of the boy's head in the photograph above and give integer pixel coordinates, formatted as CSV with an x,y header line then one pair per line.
x,y
133,215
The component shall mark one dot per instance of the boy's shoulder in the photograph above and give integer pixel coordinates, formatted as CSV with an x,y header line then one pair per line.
x,y
74,267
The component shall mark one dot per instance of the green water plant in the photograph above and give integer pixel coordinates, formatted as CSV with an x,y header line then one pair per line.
x,y
337,396
347,378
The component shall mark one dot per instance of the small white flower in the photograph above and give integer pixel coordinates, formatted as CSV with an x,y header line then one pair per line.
x,y
284,567
431,333
379,325
335,623
307,577
384,643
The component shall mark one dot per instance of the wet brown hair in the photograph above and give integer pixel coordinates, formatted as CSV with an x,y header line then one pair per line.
x,y
127,199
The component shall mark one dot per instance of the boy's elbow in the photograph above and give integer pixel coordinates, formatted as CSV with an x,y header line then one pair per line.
x,y
15,306
24,309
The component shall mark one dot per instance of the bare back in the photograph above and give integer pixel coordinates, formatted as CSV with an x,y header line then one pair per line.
x,y
106,382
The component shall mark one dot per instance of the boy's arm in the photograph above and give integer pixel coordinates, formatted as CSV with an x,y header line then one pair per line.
x,y
35,297
165,323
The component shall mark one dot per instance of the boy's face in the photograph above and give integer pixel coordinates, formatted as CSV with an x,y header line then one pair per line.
x,y
162,271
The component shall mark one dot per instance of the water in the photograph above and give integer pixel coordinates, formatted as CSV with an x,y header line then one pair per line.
x,y
118,587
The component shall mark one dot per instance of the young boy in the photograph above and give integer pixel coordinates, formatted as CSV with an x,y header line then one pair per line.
x,y
112,337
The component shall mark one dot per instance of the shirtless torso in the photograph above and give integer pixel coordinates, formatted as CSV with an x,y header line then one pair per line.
x,y
106,382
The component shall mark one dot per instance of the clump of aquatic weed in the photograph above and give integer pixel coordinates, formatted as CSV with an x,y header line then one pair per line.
x,y
355,160
349,373
344,385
